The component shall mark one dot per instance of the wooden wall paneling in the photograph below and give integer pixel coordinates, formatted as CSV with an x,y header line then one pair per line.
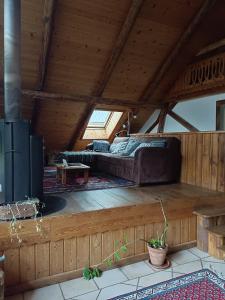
x,y
83,251
198,180
206,160
214,160
174,232
221,163
42,260
129,234
12,267
184,235
107,244
70,254
191,152
192,228
56,257
139,236
149,233
27,263
184,158
95,249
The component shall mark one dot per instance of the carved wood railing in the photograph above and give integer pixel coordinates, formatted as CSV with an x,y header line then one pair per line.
x,y
199,77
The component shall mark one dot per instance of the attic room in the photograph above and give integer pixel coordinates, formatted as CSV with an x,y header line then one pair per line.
x,y
112,149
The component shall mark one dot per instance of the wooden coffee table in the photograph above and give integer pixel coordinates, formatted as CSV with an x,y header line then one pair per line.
x,y
65,173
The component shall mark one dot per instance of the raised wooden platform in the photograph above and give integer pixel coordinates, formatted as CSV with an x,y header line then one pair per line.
x,y
84,231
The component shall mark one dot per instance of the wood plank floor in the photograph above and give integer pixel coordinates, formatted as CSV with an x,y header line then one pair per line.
x,y
86,201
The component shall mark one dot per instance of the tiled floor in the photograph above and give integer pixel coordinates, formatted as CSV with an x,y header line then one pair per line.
x,y
126,279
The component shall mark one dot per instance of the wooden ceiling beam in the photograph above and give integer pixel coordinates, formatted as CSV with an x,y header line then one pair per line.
x,y
85,116
180,44
85,99
162,116
182,121
48,19
119,45
109,67
153,125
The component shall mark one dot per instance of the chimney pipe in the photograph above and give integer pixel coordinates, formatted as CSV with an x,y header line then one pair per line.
x,y
12,66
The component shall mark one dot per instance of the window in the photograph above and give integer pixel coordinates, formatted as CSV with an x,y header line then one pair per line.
x,y
102,124
99,118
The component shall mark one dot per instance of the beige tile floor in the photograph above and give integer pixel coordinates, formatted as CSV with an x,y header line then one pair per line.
x,y
125,279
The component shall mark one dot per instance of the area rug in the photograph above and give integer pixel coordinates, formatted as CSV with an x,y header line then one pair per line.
x,y
200,285
96,181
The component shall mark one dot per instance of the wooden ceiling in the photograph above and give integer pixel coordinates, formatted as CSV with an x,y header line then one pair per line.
x,y
77,54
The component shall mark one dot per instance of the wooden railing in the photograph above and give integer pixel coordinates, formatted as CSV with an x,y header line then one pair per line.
x,y
199,77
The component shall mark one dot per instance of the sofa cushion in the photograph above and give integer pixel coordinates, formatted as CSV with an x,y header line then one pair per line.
x,y
131,146
101,146
120,148
151,144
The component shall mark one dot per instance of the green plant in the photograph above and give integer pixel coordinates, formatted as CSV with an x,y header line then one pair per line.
x,y
160,241
95,271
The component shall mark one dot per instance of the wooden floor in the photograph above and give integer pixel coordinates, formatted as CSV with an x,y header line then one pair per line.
x,y
87,201
83,232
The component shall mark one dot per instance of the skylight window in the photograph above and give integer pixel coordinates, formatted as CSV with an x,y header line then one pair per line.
x,y
99,118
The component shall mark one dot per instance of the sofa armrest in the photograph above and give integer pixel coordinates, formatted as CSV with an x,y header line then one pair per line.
x,y
154,165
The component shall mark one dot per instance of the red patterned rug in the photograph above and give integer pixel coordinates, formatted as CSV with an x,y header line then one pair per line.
x,y
96,181
200,285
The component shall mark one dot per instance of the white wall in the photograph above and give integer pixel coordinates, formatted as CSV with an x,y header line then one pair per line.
x,y
200,112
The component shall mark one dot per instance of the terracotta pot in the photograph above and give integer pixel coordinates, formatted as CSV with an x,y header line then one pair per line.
x,y
157,256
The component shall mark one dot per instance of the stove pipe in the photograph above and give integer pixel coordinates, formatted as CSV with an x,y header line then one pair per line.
x,y
12,65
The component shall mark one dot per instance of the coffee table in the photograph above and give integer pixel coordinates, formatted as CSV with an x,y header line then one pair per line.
x,y
65,173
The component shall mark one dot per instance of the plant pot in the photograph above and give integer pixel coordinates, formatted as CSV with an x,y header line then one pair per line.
x,y
157,256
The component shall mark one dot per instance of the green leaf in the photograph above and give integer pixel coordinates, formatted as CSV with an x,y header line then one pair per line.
x,y
124,248
97,272
87,273
117,256
109,262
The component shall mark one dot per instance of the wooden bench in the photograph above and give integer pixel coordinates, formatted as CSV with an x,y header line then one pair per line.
x,y
211,231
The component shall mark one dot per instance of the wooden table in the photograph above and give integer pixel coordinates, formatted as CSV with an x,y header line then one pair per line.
x,y
64,173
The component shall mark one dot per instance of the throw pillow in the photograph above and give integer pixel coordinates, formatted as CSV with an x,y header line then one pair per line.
x,y
131,146
120,148
101,146
152,144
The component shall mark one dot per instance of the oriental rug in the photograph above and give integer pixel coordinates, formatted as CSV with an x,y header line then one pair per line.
x,y
96,181
200,285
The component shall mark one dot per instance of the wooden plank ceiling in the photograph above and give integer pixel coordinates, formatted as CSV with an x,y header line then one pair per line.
x,y
80,53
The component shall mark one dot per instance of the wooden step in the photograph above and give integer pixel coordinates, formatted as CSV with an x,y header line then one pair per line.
x,y
210,212
219,231
222,248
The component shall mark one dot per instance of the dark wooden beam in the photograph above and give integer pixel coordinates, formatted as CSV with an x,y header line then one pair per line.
x,y
109,66
180,44
48,19
45,96
182,121
153,125
79,129
162,116
119,45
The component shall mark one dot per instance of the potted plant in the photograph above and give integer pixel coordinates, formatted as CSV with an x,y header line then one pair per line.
x,y
157,247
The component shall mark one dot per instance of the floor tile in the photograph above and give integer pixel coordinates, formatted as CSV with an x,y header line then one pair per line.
x,y
213,259
110,277
131,282
88,296
218,268
198,252
77,287
15,297
183,257
115,290
154,278
51,292
136,270
188,267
